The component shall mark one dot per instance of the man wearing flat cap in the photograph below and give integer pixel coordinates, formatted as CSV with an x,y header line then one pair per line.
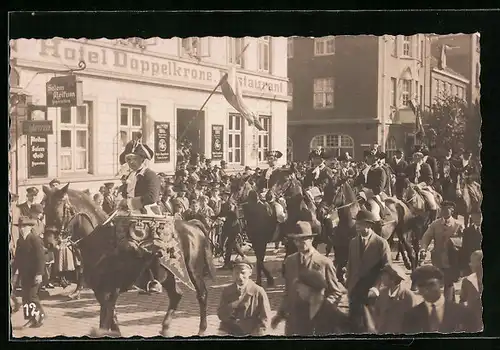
x,y
435,313
444,232
25,207
272,160
29,260
108,204
307,258
143,185
368,255
244,307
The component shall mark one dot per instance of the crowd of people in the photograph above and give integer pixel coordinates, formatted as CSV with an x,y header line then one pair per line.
x,y
378,300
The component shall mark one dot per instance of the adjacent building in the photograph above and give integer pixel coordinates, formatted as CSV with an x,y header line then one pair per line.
x,y
352,91
154,86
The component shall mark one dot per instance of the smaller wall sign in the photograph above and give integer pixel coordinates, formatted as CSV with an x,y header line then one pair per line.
x,y
37,127
217,142
64,91
38,156
162,142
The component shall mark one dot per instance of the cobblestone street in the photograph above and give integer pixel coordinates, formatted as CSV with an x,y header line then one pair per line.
x,y
141,314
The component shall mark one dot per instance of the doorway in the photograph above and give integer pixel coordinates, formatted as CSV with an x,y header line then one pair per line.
x,y
191,126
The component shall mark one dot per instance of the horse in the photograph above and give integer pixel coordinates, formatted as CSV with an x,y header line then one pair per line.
x,y
111,270
468,198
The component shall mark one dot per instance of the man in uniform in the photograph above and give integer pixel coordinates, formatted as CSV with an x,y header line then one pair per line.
x,y
143,189
108,204
420,173
307,258
25,207
272,161
431,161
399,165
376,184
319,176
30,261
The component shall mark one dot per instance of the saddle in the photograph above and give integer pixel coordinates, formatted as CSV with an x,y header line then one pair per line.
x,y
379,207
315,194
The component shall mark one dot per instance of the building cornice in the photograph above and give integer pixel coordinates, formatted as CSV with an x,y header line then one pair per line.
x,y
450,75
335,121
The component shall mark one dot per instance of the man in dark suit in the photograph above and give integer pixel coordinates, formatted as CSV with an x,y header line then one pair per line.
x,y
272,161
433,164
319,175
376,185
108,204
29,260
471,241
435,314
368,255
398,165
25,207
446,174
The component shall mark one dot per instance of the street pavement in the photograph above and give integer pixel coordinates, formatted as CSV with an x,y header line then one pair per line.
x,y
141,315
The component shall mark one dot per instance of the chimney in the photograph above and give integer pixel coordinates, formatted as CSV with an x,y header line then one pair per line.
x,y
442,61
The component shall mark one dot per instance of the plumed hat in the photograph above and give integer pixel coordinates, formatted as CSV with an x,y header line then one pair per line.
x,y
144,151
274,154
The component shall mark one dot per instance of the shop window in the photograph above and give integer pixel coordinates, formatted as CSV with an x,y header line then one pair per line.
x,y
324,46
235,139
264,138
333,144
390,147
131,123
75,139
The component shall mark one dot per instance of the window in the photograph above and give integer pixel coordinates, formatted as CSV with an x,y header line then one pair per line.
x,y
447,88
324,46
264,44
264,138
290,95
235,48
131,122
406,93
394,84
334,144
390,147
289,149
395,46
478,79
235,135
422,52
195,47
323,93
440,88
435,86
407,45
453,90
75,139
290,48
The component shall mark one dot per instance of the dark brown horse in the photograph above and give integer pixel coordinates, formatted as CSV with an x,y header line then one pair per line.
x,y
110,269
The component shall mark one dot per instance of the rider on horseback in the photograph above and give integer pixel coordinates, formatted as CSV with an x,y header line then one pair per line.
x,y
420,174
319,176
272,159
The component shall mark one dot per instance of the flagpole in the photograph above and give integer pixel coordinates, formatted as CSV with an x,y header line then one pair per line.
x,y
209,96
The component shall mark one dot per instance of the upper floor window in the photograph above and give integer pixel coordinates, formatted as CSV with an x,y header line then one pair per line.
x,y
324,46
394,85
264,138
264,53
406,92
407,45
195,47
422,52
290,48
235,49
75,138
394,48
290,95
131,123
323,93
235,142
333,144
390,147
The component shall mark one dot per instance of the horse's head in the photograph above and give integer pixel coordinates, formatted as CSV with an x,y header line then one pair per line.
x,y
411,197
55,206
344,199
282,183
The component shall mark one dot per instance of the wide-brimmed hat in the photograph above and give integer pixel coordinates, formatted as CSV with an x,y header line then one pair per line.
x,y
143,150
32,190
418,155
54,182
274,154
395,270
242,262
313,279
366,216
302,230
109,184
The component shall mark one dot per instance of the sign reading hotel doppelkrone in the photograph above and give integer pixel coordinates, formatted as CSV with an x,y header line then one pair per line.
x,y
64,91
102,58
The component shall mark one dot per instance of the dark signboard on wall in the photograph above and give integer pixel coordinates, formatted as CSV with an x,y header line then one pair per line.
x,y
37,155
64,91
162,142
37,127
217,142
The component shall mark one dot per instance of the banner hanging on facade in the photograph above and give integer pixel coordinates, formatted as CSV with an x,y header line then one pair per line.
x,y
64,91
162,142
217,142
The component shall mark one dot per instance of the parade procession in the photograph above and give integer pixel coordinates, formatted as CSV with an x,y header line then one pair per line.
x,y
176,187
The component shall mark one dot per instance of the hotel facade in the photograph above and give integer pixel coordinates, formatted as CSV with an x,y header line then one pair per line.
x,y
156,87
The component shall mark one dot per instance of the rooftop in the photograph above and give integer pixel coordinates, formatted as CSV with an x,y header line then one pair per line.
x,y
435,64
